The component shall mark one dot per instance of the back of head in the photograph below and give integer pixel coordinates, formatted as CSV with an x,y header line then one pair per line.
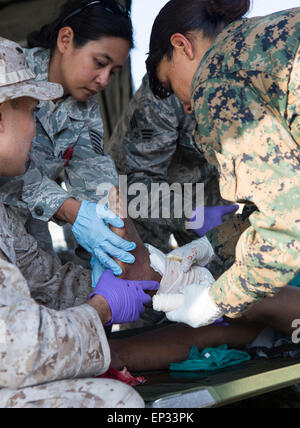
x,y
90,20
181,16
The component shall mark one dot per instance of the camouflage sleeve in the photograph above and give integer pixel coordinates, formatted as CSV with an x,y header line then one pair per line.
x,y
43,338
89,166
258,161
144,144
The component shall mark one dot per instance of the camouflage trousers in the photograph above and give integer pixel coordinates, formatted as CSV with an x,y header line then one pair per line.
x,y
73,394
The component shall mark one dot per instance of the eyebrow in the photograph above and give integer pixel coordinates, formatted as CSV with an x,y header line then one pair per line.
x,y
109,59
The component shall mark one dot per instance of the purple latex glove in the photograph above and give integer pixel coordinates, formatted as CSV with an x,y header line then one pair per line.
x,y
213,217
127,299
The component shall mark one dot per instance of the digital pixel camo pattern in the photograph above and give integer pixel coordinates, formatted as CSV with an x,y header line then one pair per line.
x,y
246,98
153,143
61,126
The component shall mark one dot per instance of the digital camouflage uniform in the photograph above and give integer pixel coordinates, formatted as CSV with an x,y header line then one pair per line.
x,y
49,336
153,143
61,126
246,98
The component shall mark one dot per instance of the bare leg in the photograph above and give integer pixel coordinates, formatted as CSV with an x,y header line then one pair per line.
x,y
155,350
278,311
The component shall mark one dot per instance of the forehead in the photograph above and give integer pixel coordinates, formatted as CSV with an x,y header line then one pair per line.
x,y
115,49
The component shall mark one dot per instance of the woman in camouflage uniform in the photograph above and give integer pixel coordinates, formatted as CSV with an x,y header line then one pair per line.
x,y
87,44
245,96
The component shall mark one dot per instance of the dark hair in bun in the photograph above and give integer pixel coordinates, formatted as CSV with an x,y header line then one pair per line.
x,y
185,16
228,10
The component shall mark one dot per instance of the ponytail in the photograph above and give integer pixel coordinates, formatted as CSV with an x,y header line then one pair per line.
x,y
185,16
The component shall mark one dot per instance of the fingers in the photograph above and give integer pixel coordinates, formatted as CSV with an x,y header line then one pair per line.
x,y
167,302
109,216
106,261
230,209
119,242
118,253
150,285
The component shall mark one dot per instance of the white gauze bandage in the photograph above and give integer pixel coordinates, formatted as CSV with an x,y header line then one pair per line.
x,y
174,279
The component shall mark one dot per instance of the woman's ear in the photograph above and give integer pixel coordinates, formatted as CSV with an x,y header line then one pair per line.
x,y
182,45
65,39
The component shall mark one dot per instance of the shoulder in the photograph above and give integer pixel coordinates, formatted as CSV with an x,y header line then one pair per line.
x,y
266,44
38,60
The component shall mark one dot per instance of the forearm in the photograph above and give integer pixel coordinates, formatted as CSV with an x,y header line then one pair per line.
x,y
68,211
100,304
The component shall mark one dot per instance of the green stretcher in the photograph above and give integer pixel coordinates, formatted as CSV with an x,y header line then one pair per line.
x,y
178,390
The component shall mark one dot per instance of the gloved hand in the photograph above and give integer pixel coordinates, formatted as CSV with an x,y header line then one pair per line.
x,y
97,271
199,251
92,233
213,217
127,299
197,310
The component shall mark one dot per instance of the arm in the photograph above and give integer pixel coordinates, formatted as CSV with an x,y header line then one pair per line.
x,y
257,160
42,344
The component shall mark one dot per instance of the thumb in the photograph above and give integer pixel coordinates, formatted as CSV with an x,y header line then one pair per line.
x,y
150,285
229,209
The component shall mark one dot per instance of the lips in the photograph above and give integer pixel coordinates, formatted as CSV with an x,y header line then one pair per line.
x,y
92,92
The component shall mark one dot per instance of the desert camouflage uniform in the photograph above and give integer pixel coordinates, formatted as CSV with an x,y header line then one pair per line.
x,y
246,98
153,143
68,124
47,333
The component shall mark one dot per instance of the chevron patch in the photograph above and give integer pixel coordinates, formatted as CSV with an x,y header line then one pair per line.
x,y
97,141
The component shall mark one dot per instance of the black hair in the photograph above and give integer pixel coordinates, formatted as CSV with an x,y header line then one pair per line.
x,y
185,16
90,20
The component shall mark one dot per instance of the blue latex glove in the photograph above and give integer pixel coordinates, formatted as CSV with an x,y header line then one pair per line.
x,y
92,233
97,271
127,299
213,217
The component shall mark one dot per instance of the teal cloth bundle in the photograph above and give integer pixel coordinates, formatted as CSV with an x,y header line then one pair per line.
x,y
210,359
296,281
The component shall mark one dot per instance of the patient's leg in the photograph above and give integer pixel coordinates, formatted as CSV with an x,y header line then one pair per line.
x,y
141,269
279,311
155,350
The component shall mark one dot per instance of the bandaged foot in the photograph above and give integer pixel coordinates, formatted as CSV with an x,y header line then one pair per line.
x,y
174,280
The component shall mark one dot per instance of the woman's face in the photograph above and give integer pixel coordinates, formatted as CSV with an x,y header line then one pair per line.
x,y
176,75
85,71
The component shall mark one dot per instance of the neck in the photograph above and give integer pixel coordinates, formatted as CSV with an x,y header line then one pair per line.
x,y
55,75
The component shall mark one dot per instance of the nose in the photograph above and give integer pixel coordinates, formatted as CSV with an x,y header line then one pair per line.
x,y
103,79
188,108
